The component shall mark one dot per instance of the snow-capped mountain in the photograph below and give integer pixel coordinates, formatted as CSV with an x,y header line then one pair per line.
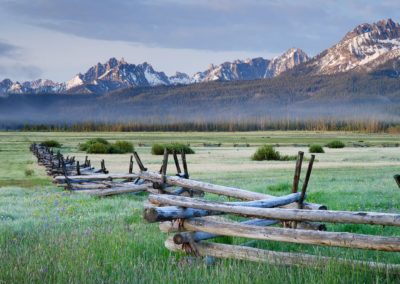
x,y
115,74
251,69
285,62
364,48
368,48
179,78
5,86
43,86
32,87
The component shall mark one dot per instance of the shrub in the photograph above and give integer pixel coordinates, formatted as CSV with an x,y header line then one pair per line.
x,y
158,149
122,147
85,146
102,146
335,144
51,143
98,148
179,148
28,172
315,148
266,152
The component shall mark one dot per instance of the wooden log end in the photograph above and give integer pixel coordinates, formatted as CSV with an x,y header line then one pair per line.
x,y
151,215
180,239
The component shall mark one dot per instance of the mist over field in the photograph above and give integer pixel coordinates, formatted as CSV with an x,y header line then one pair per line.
x,y
340,98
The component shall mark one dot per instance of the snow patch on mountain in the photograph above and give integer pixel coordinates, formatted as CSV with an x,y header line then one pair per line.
x,y
365,44
179,79
74,82
153,78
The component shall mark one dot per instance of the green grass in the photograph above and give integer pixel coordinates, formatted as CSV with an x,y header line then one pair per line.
x,y
51,236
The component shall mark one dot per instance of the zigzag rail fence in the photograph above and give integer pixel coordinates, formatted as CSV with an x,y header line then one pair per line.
x,y
178,204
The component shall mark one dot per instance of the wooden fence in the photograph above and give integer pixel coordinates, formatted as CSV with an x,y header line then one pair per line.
x,y
178,204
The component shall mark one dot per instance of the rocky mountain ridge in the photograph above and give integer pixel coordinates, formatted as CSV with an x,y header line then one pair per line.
x,y
364,49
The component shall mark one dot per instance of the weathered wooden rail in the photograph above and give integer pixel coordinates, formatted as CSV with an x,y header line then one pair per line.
x,y
83,178
195,222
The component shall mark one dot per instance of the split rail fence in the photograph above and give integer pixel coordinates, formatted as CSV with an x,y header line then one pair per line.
x,y
177,203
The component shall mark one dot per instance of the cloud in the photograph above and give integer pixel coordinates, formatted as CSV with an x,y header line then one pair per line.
x,y
8,50
251,25
63,37
12,63
20,71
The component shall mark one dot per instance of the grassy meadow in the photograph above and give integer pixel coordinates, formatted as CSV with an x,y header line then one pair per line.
x,y
48,235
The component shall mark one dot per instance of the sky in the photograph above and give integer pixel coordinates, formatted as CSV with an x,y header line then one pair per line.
x,y
56,39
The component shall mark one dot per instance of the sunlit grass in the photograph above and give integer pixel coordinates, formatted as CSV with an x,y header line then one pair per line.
x,y
48,235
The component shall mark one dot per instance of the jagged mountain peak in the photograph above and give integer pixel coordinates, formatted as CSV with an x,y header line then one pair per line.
x,y
254,68
114,74
6,82
363,47
179,78
286,61
381,27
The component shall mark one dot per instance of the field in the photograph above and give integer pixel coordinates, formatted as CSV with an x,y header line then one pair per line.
x,y
49,235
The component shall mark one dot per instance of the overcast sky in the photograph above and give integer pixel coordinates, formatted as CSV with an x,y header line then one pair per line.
x,y
56,39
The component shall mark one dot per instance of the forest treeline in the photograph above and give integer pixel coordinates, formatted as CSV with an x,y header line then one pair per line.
x,y
364,126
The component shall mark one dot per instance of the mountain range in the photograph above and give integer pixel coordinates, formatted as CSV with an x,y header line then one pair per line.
x,y
363,49
118,74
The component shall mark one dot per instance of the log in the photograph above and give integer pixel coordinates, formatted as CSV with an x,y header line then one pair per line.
x,y
278,258
87,186
158,214
207,187
305,183
373,218
216,189
61,179
297,172
294,236
178,168
397,179
114,191
97,185
173,226
187,237
172,212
